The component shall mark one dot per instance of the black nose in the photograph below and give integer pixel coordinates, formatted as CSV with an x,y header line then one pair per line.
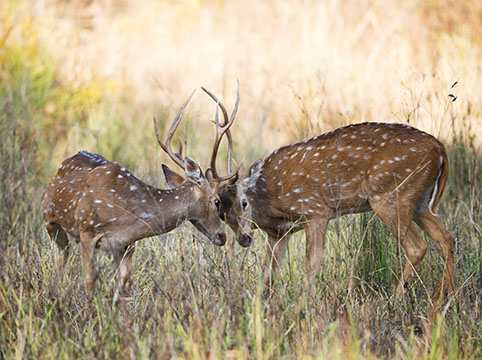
x,y
220,239
245,240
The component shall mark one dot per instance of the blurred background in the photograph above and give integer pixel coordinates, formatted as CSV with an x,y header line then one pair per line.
x,y
90,74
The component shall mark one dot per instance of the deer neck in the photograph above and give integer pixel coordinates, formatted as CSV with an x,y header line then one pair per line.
x,y
265,210
164,210
262,211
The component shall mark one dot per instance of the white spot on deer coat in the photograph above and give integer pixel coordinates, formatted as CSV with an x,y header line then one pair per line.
x,y
144,215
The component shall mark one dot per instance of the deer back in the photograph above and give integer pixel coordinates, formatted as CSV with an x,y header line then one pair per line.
x,y
62,193
340,172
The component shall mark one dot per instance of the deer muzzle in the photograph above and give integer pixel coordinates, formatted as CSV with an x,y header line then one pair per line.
x,y
245,240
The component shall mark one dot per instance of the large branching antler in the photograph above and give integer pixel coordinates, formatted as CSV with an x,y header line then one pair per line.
x,y
220,131
175,156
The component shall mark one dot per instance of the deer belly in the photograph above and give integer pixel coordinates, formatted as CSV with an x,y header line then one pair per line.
x,y
354,206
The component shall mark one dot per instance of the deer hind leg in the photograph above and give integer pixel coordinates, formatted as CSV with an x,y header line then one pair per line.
x,y
315,246
123,259
57,234
444,244
87,249
275,253
415,249
398,219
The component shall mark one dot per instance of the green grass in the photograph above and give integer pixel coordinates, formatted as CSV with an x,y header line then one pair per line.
x,y
187,298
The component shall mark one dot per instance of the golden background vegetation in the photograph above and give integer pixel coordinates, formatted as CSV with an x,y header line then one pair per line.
x,y
305,67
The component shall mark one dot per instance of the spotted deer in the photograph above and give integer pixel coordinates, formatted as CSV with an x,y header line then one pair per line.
x,y
103,205
395,170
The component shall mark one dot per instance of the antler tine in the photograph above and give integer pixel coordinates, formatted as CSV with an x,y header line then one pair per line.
x,y
228,134
236,104
220,131
219,103
175,156
179,152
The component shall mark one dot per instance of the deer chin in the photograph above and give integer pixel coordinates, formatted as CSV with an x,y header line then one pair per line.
x,y
219,239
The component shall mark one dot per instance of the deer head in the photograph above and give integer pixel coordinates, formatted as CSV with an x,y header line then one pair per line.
x,y
209,186
233,209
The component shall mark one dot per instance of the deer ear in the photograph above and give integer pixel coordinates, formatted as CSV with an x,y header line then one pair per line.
x,y
254,173
173,179
193,171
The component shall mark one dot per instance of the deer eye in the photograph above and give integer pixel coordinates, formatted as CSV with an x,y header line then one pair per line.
x,y
245,204
217,203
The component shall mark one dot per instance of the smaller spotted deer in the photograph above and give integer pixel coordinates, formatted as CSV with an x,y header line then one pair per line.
x,y
104,206
395,170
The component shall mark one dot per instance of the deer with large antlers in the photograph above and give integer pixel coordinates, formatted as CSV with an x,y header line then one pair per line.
x,y
105,206
395,170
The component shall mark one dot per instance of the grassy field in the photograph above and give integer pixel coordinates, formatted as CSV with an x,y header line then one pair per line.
x,y
89,75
